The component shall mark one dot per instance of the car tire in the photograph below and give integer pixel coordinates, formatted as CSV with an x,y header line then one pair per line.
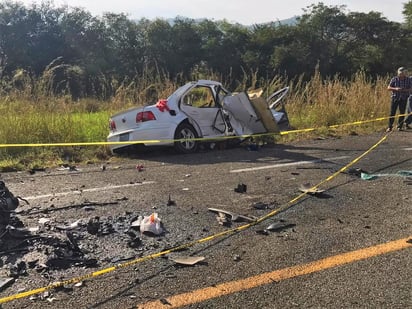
x,y
185,130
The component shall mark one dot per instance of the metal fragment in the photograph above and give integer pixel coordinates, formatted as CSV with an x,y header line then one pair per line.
x,y
187,260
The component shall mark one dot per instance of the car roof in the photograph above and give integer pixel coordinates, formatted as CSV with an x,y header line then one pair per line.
x,y
208,82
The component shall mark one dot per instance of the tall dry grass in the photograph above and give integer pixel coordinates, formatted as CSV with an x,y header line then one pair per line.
x,y
321,103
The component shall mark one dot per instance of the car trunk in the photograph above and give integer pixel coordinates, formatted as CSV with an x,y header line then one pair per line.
x,y
126,120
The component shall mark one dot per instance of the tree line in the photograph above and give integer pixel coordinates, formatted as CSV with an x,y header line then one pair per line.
x,y
74,52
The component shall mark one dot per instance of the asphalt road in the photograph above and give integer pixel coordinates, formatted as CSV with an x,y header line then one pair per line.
x,y
345,248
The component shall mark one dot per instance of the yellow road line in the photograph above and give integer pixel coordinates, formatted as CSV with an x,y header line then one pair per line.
x,y
231,287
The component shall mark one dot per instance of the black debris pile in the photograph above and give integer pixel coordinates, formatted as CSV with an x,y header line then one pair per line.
x,y
10,225
8,204
53,246
356,172
241,188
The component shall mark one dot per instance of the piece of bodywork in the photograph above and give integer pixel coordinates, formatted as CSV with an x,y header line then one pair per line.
x,y
203,109
310,189
231,215
187,260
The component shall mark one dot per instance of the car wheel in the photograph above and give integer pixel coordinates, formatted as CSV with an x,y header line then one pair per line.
x,y
186,131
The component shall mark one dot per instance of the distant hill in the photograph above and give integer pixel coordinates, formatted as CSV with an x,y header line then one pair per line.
x,y
288,22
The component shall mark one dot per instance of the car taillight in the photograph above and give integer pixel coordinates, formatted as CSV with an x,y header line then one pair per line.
x,y
145,116
112,125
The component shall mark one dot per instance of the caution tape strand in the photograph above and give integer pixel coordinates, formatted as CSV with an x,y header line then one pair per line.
x,y
201,139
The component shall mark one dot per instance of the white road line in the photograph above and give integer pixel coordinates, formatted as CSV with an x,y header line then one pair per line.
x,y
250,169
89,190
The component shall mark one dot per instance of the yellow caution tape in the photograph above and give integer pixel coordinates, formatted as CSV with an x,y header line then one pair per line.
x,y
189,244
191,139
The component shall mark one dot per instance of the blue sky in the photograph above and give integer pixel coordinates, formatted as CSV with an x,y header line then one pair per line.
x,y
241,11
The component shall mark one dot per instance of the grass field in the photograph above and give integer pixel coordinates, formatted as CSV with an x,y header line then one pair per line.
x,y
28,119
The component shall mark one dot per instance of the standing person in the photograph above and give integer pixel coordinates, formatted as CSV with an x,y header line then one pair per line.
x,y
408,120
400,86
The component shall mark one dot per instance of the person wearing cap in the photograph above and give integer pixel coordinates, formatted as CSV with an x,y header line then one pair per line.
x,y
401,87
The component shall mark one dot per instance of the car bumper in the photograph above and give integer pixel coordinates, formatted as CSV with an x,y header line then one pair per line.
x,y
140,136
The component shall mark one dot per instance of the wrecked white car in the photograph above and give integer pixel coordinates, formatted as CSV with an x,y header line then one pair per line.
x,y
200,109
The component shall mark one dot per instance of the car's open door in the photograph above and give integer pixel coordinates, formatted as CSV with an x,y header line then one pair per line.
x,y
199,104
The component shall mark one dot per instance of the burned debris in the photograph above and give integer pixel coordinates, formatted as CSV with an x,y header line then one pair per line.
x,y
8,204
53,246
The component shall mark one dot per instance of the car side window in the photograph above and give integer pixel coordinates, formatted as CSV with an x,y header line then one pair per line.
x,y
200,96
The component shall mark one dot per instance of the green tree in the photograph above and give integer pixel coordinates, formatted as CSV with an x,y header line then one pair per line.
x,y
159,52
29,37
186,47
407,13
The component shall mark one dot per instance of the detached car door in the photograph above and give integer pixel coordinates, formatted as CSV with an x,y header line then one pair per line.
x,y
200,105
246,118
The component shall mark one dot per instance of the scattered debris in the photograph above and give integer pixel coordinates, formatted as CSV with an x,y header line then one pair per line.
x,y
279,226
170,202
136,223
404,173
62,262
8,203
262,232
5,283
71,226
222,219
18,269
187,260
356,171
260,206
368,176
241,188
44,221
36,169
233,216
309,189
365,176
20,232
135,242
93,225
237,258
85,206
63,245
68,167
151,224
276,227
